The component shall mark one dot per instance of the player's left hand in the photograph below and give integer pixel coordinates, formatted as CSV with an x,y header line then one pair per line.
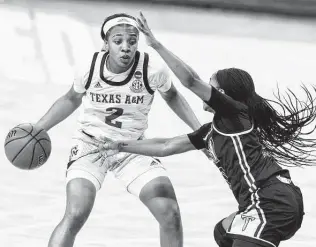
x,y
144,28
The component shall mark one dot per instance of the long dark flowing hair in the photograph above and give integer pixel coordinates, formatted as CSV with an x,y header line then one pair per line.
x,y
281,132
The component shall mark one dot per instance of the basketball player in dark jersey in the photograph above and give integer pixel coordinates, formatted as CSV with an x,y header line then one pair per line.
x,y
247,141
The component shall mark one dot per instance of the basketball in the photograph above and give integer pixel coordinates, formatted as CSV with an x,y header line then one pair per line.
x,y
27,146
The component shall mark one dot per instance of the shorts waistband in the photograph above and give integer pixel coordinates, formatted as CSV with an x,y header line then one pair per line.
x,y
105,139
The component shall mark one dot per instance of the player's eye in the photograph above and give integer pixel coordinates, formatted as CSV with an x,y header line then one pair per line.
x,y
132,41
117,42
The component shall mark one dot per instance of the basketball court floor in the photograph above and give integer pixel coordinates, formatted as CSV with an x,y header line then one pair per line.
x,y
39,51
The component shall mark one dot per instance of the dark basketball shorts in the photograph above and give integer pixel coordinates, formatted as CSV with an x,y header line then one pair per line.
x,y
275,214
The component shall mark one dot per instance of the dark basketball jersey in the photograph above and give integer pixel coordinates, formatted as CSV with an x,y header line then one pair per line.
x,y
235,149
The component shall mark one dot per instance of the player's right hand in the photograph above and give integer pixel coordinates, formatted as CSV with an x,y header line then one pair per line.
x,y
144,28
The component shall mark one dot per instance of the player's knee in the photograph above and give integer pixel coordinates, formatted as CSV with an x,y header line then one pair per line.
x,y
169,214
172,218
80,200
220,236
75,218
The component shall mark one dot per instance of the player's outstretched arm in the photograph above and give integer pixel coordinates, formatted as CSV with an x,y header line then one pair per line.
x,y
187,76
158,147
61,109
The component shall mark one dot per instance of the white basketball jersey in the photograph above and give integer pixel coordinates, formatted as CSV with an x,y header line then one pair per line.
x,y
116,106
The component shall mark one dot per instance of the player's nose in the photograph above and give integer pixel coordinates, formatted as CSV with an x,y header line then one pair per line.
x,y
125,46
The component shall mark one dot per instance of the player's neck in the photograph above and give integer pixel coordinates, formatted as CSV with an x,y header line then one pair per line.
x,y
115,68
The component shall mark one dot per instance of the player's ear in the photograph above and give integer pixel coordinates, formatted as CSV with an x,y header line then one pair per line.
x,y
221,90
105,46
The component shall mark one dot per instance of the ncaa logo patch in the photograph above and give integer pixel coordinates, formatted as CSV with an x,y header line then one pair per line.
x,y
137,86
138,75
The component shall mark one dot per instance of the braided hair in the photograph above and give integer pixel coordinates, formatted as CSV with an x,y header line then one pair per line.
x,y
280,132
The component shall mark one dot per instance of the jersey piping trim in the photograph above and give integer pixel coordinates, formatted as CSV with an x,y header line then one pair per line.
x,y
234,134
128,78
145,74
94,59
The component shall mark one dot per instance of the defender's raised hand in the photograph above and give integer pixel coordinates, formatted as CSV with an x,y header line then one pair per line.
x,y
144,28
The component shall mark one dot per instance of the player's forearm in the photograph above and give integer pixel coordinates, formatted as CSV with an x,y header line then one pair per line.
x,y
59,111
149,147
184,72
159,147
183,110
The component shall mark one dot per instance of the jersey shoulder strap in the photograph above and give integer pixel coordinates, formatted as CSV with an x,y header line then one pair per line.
x,y
94,59
145,73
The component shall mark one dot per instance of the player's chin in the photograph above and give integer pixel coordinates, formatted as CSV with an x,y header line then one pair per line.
x,y
125,62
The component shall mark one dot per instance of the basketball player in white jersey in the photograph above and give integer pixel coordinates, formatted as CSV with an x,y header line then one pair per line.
x,y
115,97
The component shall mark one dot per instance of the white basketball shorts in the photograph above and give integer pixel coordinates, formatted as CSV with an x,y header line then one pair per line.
x,y
133,170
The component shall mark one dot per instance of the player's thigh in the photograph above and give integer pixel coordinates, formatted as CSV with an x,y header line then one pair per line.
x,y
81,195
159,197
144,177
158,187
81,164
228,220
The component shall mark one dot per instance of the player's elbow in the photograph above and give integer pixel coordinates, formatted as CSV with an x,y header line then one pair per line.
x,y
189,82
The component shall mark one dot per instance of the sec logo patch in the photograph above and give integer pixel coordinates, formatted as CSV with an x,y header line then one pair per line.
x,y
137,86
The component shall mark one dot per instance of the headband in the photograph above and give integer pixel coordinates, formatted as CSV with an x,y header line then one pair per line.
x,y
117,21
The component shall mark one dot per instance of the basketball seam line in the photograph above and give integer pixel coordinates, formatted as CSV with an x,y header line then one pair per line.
x,y
17,127
38,141
32,128
33,137
17,139
30,165
29,132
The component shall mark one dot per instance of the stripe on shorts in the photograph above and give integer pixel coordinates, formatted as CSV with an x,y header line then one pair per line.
x,y
251,183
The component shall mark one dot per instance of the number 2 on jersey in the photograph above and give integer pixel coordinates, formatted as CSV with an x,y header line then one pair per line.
x,y
110,120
